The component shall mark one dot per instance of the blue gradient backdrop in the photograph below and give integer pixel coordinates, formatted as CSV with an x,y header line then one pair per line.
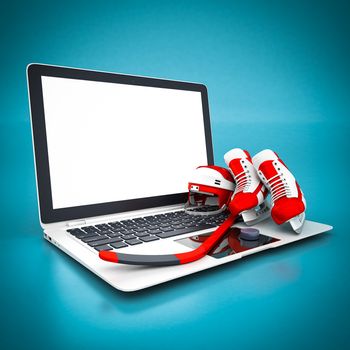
x,y
278,76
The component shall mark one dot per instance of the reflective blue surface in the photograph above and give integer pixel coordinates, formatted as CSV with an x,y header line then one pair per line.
x,y
278,77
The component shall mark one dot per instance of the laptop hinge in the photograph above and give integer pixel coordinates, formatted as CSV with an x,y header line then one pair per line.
x,y
76,223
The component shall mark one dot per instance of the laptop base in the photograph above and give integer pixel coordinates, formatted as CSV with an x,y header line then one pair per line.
x,y
128,278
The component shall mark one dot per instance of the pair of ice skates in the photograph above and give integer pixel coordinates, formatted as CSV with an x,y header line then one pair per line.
x,y
255,178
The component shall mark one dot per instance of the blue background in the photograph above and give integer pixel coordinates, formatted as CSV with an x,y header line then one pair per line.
x,y
278,77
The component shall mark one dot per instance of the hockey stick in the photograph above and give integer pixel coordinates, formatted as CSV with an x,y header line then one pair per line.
x,y
172,259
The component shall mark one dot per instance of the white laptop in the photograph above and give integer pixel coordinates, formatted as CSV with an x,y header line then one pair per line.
x,y
113,154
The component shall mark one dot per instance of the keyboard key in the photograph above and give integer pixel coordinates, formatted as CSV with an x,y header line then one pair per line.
x,y
89,229
115,230
149,238
142,234
175,222
140,229
117,239
76,232
184,230
128,232
122,231
139,220
178,226
119,245
102,227
153,232
115,225
104,232
167,229
114,234
93,238
129,226
192,224
85,236
128,237
104,241
103,247
126,222
133,241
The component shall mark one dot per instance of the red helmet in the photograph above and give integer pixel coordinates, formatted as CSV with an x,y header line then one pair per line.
x,y
210,190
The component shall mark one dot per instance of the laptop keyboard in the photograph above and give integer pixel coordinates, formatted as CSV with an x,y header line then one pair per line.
x,y
124,233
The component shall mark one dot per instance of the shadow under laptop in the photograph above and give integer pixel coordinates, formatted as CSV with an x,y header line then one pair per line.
x,y
253,276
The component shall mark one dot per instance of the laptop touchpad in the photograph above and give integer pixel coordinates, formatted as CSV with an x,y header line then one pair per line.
x,y
237,240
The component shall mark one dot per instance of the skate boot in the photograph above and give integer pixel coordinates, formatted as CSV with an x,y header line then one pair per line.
x,y
287,199
249,197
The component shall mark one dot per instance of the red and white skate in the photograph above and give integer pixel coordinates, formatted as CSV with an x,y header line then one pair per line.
x,y
287,199
249,197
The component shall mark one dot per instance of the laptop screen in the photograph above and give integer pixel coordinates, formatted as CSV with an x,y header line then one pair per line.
x,y
109,142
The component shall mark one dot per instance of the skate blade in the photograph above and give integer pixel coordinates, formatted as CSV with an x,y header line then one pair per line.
x,y
253,216
297,222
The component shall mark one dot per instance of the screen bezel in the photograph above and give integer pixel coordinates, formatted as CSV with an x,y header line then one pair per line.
x,y
47,213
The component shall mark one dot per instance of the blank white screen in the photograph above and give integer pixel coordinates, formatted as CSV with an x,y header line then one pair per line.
x,y
110,142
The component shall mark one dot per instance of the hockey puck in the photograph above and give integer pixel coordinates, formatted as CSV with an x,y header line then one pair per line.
x,y
249,234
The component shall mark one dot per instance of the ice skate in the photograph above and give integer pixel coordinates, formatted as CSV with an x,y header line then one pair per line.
x,y
249,197
287,199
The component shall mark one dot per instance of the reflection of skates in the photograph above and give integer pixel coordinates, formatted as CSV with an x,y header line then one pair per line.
x,y
249,196
237,240
288,202
220,248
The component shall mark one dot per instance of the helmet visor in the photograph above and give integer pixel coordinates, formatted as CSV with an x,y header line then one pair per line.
x,y
200,203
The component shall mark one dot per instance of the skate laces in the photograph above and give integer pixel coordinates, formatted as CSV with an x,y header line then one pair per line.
x,y
242,181
278,187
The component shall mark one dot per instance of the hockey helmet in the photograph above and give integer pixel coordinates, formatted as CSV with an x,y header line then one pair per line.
x,y
209,190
